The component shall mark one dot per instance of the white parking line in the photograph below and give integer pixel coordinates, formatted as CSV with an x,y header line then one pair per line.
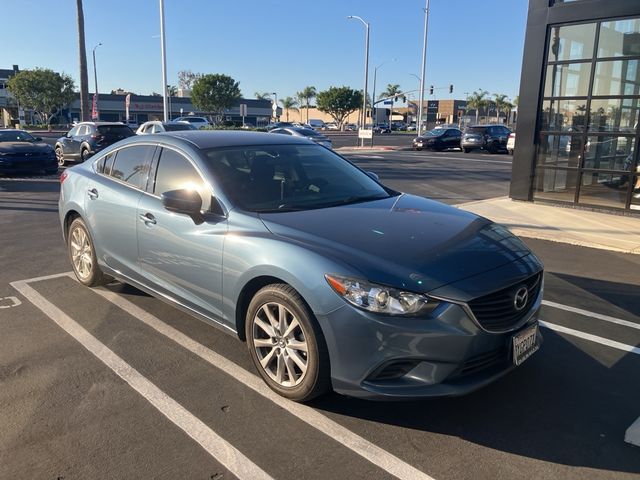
x,y
592,338
632,435
334,430
231,458
587,313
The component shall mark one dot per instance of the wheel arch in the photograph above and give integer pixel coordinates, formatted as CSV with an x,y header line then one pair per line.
x,y
69,217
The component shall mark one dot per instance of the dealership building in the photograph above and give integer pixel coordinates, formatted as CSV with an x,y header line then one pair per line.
x,y
578,131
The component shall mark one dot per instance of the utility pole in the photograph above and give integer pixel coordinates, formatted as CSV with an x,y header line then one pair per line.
x,y
163,47
424,66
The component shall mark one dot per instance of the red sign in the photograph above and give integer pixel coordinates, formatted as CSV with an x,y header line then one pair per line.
x,y
94,107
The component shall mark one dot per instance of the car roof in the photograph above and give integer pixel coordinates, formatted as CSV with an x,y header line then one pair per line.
x,y
204,139
98,124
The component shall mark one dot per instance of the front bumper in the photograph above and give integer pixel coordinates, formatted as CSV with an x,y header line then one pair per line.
x,y
15,166
391,358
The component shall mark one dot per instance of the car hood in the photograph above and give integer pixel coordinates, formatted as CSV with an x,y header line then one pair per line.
x,y
24,147
404,241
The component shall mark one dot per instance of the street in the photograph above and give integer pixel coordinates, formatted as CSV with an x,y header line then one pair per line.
x,y
113,383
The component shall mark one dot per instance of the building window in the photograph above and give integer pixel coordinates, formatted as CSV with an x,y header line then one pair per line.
x,y
588,117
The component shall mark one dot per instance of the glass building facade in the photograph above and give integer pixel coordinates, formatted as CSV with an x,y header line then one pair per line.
x,y
584,126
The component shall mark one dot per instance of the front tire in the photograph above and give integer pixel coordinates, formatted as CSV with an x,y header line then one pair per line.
x,y
286,344
82,255
466,150
84,155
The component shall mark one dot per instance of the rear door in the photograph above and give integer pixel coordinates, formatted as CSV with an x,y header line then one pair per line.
x,y
111,201
181,258
109,134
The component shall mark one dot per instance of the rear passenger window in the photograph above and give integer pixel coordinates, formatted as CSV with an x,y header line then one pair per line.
x,y
175,172
104,164
132,165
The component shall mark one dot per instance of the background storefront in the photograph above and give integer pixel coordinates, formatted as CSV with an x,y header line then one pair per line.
x,y
578,129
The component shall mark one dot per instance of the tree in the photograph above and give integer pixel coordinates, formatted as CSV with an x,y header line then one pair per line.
x,y
305,96
477,100
172,90
262,95
339,102
84,78
500,100
289,103
392,92
186,79
42,90
215,93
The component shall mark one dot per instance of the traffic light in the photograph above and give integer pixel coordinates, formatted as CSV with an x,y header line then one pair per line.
x,y
431,90
450,88
404,99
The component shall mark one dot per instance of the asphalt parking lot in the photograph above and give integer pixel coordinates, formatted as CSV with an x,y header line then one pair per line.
x,y
112,383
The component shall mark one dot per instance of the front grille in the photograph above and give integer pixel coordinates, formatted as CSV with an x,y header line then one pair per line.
x,y
497,311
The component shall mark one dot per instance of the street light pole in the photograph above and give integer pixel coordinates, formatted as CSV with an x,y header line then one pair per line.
x,y
275,110
424,66
366,72
163,48
95,75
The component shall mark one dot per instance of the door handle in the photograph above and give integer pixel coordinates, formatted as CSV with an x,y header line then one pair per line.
x,y
93,193
148,219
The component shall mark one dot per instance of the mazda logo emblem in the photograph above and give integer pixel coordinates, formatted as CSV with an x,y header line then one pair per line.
x,y
520,298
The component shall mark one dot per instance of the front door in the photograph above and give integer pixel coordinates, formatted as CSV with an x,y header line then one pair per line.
x,y
178,257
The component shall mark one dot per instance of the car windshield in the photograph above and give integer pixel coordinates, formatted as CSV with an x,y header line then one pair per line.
x,y
14,136
113,130
174,127
280,178
476,130
435,133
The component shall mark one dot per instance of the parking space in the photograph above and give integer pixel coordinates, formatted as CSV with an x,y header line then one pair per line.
x,y
113,383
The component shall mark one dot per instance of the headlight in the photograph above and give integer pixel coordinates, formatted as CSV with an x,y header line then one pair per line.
x,y
380,298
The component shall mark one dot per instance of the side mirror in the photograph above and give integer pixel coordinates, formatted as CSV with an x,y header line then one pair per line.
x,y
38,139
374,176
183,201
68,135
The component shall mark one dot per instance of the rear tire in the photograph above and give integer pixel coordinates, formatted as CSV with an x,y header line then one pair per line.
x,y
286,344
82,254
510,151
466,150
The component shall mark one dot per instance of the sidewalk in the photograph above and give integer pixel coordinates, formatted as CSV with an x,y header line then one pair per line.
x,y
557,224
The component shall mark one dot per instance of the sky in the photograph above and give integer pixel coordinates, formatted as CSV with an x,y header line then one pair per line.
x,y
277,46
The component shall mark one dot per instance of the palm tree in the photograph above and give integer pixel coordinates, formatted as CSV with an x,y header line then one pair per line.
x,y
500,99
392,91
306,94
477,100
289,103
84,78
262,95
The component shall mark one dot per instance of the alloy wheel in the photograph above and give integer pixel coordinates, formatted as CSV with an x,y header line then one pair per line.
x,y
81,253
60,156
280,344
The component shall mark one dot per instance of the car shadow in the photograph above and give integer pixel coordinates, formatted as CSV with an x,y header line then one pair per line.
x,y
562,406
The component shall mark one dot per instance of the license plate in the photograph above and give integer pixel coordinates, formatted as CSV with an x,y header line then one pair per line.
x,y
525,344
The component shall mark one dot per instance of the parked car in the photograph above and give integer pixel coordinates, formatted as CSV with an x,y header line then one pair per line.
x,y
438,139
161,127
511,143
307,133
316,124
331,126
492,138
88,138
198,122
333,280
381,128
350,127
20,152
412,127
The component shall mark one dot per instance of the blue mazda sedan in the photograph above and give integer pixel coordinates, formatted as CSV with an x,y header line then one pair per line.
x,y
333,280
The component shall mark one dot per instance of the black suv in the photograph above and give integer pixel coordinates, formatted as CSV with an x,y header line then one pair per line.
x,y
438,139
492,138
87,138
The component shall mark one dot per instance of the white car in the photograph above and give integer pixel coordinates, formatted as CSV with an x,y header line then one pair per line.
x,y
161,127
198,122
